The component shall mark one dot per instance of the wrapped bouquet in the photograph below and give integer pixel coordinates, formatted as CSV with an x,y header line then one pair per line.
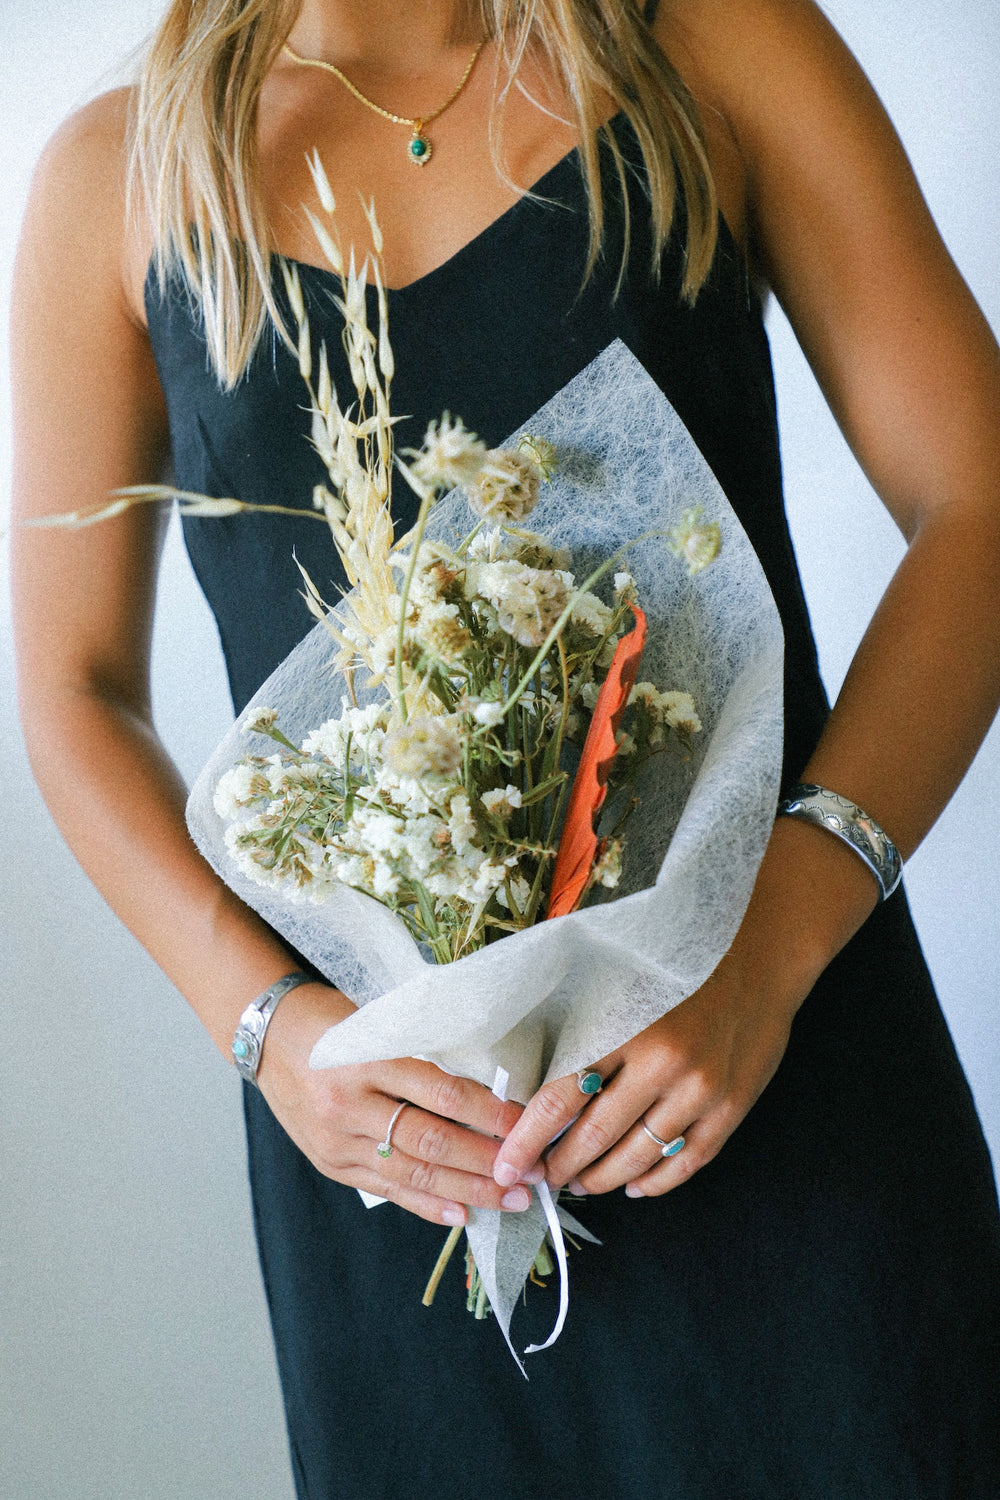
x,y
450,759
452,754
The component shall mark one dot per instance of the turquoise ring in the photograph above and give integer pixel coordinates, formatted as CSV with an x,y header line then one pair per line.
x,y
589,1081
667,1148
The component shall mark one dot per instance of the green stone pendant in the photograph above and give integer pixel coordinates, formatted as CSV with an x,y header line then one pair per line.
x,y
419,149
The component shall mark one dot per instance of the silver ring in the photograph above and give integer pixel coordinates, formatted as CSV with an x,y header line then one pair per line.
x,y
667,1148
384,1148
589,1082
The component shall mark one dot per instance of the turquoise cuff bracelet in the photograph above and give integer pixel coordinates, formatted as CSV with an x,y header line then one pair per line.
x,y
815,804
254,1021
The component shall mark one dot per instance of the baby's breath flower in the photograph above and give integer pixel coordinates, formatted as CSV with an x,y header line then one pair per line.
x,y
590,614
694,541
528,601
490,876
461,823
484,711
608,869
260,720
423,747
507,487
501,801
680,713
520,892
235,790
451,455
364,727
625,588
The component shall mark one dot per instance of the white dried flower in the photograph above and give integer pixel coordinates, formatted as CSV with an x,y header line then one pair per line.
x,y
507,487
490,876
520,892
680,713
485,712
694,541
501,801
590,614
461,823
608,869
528,601
451,455
423,747
364,727
235,790
441,633
536,552
260,720
625,588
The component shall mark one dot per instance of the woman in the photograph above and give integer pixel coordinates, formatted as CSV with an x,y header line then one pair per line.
x,y
782,1326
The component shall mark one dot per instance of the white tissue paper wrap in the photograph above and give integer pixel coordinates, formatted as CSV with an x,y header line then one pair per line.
x,y
550,1000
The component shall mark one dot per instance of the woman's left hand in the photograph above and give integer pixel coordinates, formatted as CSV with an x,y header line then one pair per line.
x,y
695,1073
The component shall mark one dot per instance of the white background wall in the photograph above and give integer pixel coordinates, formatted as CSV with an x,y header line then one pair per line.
x,y
136,1362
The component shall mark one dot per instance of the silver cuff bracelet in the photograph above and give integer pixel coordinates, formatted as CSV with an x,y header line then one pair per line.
x,y
829,810
254,1021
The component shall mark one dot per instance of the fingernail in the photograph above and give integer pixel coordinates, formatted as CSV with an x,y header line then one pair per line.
x,y
453,1216
505,1174
517,1199
633,1190
534,1174
577,1189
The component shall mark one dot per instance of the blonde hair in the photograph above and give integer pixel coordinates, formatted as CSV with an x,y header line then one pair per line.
x,y
193,164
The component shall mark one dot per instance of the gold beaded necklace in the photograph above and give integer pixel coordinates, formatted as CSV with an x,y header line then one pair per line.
x,y
419,149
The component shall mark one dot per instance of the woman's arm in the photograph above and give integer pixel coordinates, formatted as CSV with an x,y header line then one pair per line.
x,y
838,228
89,417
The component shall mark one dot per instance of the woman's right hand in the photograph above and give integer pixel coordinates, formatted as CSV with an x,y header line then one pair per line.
x,y
444,1142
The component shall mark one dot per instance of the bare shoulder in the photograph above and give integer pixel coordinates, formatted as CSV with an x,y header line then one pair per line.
x,y
801,116
740,49
76,225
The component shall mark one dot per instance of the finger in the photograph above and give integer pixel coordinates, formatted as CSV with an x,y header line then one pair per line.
x,y
432,1138
425,1205
546,1114
702,1141
608,1118
445,1182
636,1155
460,1099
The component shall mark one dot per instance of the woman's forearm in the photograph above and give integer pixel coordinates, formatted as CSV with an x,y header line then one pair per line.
x,y
119,802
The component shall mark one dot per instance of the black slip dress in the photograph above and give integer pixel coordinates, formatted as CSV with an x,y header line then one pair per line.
x,y
816,1315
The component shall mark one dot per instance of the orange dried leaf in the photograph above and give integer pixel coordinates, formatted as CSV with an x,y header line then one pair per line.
x,y
578,846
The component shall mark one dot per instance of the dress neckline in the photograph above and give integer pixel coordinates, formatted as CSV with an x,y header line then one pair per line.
x,y
479,240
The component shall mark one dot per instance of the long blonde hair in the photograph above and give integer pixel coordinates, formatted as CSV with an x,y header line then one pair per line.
x,y
194,159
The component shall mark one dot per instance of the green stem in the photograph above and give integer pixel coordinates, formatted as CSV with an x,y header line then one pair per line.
x,y
427,500
442,1261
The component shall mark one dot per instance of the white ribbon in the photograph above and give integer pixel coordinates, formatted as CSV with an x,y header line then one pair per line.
x,y
500,1082
559,1244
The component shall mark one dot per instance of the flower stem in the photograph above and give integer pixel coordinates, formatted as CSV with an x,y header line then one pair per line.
x,y
442,1261
426,501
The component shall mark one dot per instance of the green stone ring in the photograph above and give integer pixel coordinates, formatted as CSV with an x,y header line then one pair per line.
x,y
588,1081
384,1148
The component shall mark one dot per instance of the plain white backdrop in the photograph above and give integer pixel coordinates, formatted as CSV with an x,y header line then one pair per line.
x,y
137,1362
